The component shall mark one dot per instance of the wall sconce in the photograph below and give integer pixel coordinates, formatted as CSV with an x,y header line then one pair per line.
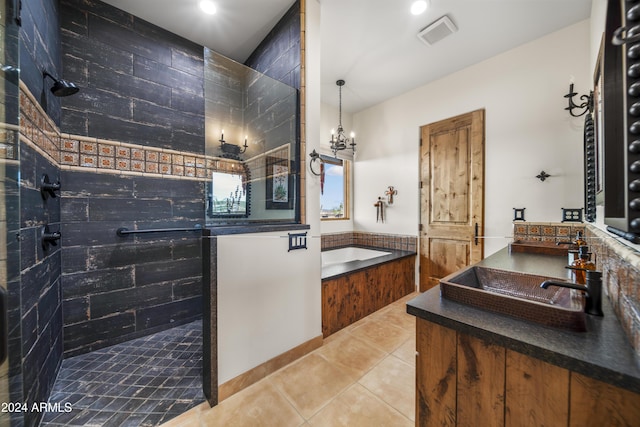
x,y
232,149
586,105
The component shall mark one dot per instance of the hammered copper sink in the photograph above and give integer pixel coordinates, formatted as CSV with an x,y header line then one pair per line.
x,y
516,294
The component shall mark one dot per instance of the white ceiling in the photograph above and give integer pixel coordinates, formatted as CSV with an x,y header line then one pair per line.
x,y
234,31
372,44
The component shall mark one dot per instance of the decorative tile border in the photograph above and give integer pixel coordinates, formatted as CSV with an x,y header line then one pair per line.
x,y
9,136
377,240
76,152
546,231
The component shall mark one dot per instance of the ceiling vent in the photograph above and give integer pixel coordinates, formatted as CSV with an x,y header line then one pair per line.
x,y
437,30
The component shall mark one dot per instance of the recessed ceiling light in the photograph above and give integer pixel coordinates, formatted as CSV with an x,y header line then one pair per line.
x,y
207,6
418,7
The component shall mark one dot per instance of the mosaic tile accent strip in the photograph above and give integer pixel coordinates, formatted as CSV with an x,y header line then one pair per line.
x,y
102,155
143,382
383,241
9,136
545,231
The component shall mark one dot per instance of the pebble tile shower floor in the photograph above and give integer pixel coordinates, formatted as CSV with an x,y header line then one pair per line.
x,y
143,382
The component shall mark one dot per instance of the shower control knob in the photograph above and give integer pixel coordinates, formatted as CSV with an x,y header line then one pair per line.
x,y
635,185
634,147
635,167
635,224
634,110
635,204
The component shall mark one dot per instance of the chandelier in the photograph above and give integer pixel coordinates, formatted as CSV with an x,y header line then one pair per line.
x,y
340,141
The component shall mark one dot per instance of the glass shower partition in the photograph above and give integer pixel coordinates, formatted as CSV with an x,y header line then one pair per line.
x,y
10,339
252,145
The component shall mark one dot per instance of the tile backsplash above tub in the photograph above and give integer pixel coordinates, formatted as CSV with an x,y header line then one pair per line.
x,y
376,240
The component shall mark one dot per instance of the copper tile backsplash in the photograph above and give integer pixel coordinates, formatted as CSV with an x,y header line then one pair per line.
x,y
383,241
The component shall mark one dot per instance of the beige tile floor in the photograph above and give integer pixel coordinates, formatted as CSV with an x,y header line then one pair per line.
x,y
363,375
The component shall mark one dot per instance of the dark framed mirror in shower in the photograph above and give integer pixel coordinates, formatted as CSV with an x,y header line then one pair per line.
x,y
229,194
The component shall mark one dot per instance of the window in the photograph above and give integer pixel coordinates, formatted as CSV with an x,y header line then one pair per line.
x,y
334,189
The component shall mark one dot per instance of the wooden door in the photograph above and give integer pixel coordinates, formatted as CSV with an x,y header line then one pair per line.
x,y
451,196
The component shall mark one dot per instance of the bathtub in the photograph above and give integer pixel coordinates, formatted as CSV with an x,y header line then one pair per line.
x,y
348,254
358,281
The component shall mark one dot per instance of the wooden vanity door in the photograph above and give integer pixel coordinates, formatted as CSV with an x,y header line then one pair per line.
x,y
451,196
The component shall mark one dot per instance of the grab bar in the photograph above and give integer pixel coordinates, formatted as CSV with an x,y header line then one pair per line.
x,y
123,231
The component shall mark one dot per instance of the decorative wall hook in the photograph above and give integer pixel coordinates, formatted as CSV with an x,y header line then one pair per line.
x,y
379,205
542,176
390,193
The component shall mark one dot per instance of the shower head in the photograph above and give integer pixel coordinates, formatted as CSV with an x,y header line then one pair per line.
x,y
61,87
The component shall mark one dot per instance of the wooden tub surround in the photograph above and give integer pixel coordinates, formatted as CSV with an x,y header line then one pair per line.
x,y
356,289
474,367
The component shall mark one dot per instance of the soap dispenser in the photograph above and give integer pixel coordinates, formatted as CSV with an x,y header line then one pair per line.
x,y
575,247
580,266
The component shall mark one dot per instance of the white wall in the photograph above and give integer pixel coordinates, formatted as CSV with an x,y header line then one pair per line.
x,y
269,300
598,22
526,131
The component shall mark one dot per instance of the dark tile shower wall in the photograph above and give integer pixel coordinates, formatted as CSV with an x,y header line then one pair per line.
x,y
118,288
278,56
40,342
40,51
41,304
139,83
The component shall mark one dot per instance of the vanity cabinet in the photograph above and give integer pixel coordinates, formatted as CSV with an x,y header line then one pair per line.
x,y
466,381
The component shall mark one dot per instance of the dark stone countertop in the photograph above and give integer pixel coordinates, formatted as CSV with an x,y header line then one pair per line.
x,y
603,352
336,270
